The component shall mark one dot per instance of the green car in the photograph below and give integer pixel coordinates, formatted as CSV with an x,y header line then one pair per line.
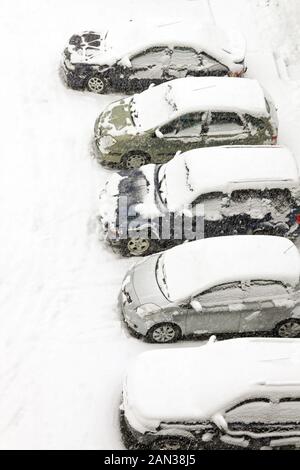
x,y
187,113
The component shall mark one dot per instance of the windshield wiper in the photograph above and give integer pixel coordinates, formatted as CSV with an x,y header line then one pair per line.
x,y
133,112
160,190
169,98
163,278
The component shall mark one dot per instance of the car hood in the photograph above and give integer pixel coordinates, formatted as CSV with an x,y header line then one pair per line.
x,y
131,191
144,282
91,48
116,120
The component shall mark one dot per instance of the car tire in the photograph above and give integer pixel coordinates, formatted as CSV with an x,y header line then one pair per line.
x,y
96,84
170,443
139,246
135,159
164,333
263,231
288,328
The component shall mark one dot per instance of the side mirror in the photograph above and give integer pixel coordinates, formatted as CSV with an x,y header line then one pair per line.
x,y
220,422
195,304
125,62
158,134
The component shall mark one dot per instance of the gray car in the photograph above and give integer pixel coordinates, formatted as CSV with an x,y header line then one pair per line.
x,y
234,284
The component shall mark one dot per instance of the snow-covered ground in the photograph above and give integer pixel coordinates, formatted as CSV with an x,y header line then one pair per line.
x,y
63,349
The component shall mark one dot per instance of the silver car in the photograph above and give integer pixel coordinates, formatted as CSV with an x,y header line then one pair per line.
x,y
234,284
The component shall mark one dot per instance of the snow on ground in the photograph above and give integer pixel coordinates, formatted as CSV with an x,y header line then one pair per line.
x,y
63,349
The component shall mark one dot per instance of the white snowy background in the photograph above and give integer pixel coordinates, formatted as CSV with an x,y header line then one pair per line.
x,y
63,349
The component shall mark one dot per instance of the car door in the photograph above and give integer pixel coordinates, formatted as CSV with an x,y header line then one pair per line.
x,y
221,310
285,423
247,422
226,129
181,134
209,66
146,67
183,61
207,212
266,304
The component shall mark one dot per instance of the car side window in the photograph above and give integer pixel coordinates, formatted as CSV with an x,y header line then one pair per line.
x,y
208,63
188,125
287,410
150,57
226,293
257,410
266,289
171,128
280,197
255,123
259,203
223,123
208,197
210,205
184,57
191,125
241,196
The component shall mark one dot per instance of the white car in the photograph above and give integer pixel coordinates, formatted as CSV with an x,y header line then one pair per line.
x,y
140,56
240,393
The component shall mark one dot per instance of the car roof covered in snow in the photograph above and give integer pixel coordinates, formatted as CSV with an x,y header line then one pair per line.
x,y
219,94
227,46
163,103
194,267
205,170
193,384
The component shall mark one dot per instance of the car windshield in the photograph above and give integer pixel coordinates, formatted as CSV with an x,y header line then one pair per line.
x,y
174,184
153,107
161,278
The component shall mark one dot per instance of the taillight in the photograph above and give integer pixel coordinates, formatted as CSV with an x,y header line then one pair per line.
x,y
274,139
235,74
297,219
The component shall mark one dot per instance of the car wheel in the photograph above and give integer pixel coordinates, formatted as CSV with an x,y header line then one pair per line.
x,y
135,160
96,84
164,333
138,246
288,328
262,231
170,443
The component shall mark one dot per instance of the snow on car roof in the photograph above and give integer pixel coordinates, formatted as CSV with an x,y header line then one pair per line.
x,y
220,94
163,103
193,173
190,384
194,267
227,46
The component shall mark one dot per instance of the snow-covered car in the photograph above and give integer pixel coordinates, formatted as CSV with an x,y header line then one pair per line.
x,y
202,193
232,285
136,58
234,394
181,115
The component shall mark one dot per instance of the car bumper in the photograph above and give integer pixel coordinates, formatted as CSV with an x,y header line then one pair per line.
x,y
109,158
71,79
131,319
132,439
